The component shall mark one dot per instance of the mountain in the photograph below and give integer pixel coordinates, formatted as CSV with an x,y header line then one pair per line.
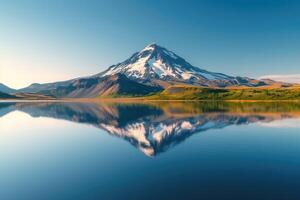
x,y
150,70
6,96
155,63
6,89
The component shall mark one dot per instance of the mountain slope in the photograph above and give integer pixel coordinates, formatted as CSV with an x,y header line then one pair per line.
x,y
157,63
36,87
115,85
6,89
120,85
6,96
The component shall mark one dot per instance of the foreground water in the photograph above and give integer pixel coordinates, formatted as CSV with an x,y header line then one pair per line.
x,y
149,151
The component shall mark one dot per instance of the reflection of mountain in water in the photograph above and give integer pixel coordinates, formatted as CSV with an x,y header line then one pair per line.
x,y
6,108
152,128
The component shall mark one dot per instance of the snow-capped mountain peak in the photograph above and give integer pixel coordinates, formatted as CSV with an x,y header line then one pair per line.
x,y
156,62
150,47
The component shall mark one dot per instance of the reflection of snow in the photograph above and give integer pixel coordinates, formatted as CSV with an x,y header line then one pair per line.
x,y
154,131
282,123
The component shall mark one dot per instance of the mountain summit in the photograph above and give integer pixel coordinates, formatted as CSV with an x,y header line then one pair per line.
x,y
158,63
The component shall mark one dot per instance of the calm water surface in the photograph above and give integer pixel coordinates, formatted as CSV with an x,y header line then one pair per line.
x,y
149,151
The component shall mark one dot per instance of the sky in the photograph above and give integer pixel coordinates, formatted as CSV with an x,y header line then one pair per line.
x,y
51,40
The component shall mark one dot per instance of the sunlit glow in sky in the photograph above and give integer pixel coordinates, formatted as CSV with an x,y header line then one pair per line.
x,y
44,41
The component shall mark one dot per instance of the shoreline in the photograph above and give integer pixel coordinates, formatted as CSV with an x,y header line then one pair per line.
x,y
112,100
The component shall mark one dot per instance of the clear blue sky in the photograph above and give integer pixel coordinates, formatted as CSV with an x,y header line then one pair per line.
x,y
44,41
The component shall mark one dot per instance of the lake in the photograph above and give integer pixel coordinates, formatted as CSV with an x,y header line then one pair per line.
x,y
155,150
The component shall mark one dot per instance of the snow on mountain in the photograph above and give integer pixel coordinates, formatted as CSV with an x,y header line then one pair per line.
x,y
157,62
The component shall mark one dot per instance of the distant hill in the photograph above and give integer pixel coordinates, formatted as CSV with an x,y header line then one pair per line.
x,y
6,89
28,96
6,96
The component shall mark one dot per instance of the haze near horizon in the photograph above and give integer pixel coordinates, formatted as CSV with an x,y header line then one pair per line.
x,y
54,41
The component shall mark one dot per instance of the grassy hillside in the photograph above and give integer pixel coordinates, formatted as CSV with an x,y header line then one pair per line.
x,y
198,93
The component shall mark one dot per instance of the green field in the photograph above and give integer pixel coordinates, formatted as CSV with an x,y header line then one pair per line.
x,y
198,93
